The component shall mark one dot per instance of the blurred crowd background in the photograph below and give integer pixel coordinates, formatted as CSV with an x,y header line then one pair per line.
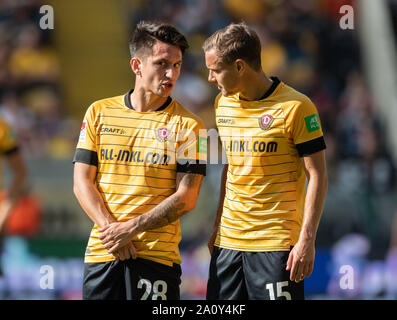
x,y
49,77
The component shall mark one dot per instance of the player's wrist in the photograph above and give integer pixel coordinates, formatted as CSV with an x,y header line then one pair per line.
x,y
307,238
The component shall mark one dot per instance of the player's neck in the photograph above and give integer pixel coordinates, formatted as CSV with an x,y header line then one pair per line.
x,y
143,101
254,92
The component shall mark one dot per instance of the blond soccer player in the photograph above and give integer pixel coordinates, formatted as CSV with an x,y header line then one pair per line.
x,y
263,240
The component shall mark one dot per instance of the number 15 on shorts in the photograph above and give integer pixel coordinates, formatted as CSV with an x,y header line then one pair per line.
x,y
278,290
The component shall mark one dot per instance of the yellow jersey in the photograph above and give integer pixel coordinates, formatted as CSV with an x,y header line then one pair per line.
x,y
138,155
264,141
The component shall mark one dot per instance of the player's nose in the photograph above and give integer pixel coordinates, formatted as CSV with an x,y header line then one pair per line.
x,y
211,77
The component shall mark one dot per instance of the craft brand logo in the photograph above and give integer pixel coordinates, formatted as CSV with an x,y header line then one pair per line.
x,y
225,121
112,130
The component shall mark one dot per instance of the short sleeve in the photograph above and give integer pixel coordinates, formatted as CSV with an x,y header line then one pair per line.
x,y
305,128
86,151
192,149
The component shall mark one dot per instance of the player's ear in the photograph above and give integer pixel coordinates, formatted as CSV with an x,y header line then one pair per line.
x,y
136,65
240,65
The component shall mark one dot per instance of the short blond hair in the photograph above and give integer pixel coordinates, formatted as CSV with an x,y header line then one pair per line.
x,y
236,41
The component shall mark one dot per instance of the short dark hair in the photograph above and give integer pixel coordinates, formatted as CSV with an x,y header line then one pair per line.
x,y
147,32
236,41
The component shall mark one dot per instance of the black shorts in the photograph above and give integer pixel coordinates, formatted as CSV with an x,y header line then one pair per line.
x,y
241,275
138,279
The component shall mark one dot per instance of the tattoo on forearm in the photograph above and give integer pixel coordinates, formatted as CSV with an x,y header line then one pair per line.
x,y
190,180
165,213
171,208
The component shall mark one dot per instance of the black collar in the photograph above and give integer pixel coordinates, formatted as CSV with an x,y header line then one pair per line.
x,y
276,82
128,103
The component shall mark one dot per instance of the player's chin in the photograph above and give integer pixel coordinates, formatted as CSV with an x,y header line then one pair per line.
x,y
164,91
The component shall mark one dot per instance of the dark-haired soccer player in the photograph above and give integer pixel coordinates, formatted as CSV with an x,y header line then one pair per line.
x,y
137,171
263,241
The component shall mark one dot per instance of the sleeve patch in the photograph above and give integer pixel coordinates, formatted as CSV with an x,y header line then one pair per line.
x,y
83,131
202,145
312,123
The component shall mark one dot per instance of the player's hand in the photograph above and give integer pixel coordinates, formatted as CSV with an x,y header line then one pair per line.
x,y
114,236
126,252
301,260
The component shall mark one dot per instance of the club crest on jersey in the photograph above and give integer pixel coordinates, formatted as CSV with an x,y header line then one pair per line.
x,y
83,131
162,134
265,121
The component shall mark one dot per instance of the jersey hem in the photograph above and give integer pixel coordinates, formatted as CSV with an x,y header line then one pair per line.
x,y
254,250
109,259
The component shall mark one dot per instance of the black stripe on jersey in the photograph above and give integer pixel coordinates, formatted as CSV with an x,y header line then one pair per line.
x,y
250,127
135,195
247,117
233,154
86,156
128,103
137,175
273,219
131,127
259,203
155,240
262,193
133,118
152,231
267,238
264,156
135,185
260,185
137,165
238,107
148,231
262,211
132,204
191,166
259,166
11,151
128,145
310,147
137,137
259,175
249,137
